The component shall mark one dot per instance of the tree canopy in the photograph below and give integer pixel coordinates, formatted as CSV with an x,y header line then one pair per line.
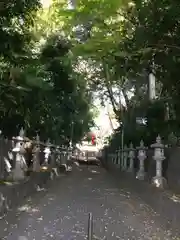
x,y
40,89
65,54
122,42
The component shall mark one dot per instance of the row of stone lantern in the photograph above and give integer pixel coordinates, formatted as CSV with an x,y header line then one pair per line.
x,y
54,156
129,153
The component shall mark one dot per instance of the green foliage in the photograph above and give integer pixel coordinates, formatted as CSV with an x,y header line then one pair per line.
x,y
123,42
16,17
50,66
39,88
151,39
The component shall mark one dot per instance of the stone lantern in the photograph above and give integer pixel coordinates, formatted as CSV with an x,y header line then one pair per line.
x,y
141,156
131,156
20,164
158,180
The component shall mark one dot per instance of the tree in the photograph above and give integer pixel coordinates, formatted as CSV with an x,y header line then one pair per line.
x,y
98,27
150,42
16,19
122,43
40,90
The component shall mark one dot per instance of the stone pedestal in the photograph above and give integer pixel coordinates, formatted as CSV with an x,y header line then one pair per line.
x,y
18,173
159,180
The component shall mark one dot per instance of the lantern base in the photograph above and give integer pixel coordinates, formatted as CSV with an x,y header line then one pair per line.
x,y
159,182
18,173
141,175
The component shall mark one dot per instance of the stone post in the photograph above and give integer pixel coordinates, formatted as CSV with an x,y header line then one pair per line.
x,y
53,165
57,159
69,152
65,156
125,158
2,165
117,154
119,157
114,158
47,153
158,180
58,156
64,161
111,158
122,159
20,164
36,160
108,157
131,156
61,156
5,164
52,161
141,156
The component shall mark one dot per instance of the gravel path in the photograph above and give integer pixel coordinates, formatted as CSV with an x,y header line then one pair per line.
x,y
61,212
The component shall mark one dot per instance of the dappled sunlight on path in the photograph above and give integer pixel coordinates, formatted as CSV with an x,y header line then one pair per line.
x,y
61,212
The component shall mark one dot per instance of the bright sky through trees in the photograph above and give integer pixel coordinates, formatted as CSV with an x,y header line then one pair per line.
x,y
46,3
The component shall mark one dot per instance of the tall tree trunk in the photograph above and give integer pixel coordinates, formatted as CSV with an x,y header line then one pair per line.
x,y
109,90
